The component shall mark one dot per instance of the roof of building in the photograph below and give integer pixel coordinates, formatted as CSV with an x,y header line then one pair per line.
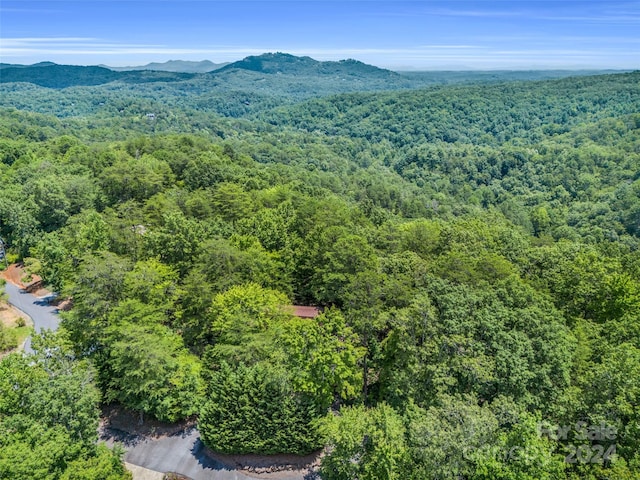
x,y
303,311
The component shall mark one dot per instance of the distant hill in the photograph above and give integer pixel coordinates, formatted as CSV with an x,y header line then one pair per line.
x,y
248,88
285,73
444,77
11,65
271,74
51,75
286,64
57,76
290,78
178,66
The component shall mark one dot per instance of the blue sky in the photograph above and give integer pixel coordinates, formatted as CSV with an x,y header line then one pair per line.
x,y
394,34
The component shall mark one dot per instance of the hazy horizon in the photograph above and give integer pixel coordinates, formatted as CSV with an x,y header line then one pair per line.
x,y
444,68
398,35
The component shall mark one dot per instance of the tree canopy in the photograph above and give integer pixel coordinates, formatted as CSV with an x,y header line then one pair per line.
x,y
472,251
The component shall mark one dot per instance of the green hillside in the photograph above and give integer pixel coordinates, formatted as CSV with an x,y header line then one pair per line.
x,y
283,63
473,250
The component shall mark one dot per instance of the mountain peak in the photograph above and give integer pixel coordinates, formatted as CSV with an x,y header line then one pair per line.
x,y
277,62
44,64
285,63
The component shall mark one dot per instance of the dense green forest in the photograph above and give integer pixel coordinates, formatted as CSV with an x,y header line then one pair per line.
x,y
473,248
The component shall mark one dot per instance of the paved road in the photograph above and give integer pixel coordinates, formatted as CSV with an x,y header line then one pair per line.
x,y
44,316
181,453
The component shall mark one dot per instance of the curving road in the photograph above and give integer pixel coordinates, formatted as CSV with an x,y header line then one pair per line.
x,y
182,453
44,315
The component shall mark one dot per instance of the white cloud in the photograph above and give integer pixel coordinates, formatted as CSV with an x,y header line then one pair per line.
x,y
595,13
80,50
10,47
24,41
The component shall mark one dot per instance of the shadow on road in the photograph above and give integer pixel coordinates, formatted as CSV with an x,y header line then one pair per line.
x,y
44,302
113,435
179,451
205,461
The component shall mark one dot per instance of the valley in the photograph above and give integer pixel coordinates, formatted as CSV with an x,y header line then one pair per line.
x,y
469,240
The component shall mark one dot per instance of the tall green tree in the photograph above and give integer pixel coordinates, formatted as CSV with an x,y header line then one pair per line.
x,y
367,444
98,288
49,417
322,355
150,371
256,410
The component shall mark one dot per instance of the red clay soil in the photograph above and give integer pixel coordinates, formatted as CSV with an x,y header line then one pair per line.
x,y
15,274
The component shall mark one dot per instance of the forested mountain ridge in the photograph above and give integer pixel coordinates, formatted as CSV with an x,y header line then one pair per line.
x,y
51,75
15,65
482,114
63,76
282,63
235,91
242,88
474,249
